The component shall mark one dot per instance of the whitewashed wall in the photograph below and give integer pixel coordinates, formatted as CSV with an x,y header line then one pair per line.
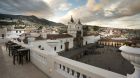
x,y
14,33
50,44
3,31
43,44
61,42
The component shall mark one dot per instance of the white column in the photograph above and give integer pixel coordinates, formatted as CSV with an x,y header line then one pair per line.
x,y
70,74
65,72
81,76
75,74
57,66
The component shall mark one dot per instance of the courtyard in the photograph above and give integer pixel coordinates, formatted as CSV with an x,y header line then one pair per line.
x,y
106,57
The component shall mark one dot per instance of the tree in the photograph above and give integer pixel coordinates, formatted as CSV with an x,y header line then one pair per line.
x,y
95,28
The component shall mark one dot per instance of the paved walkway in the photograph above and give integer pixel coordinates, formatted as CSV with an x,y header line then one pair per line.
x,y
8,70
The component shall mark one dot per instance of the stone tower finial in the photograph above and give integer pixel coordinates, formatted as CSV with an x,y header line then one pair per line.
x,y
72,19
79,22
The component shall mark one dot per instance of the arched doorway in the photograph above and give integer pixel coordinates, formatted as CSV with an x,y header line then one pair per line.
x,y
66,46
2,35
86,43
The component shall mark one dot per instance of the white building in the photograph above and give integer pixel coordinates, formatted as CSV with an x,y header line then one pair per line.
x,y
55,42
3,32
15,33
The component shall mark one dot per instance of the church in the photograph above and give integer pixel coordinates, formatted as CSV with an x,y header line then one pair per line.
x,y
76,30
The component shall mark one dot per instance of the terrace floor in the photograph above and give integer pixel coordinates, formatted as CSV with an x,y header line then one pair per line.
x,y
9,70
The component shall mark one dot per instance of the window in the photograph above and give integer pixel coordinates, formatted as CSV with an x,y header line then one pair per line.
x,y
78,27
16,31
54,48
63,67
19,31
73,72
39,46
86,42
61,46
42,48
60,66
2,35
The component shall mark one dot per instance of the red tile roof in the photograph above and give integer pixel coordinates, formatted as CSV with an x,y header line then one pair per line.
x,y
91,34
54,36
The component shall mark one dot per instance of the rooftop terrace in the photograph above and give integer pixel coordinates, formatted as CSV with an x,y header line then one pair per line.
x,y
9,70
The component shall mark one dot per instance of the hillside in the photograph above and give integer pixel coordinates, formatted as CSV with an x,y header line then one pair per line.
x,y
32,19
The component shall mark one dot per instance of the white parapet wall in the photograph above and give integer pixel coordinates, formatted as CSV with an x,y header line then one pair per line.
x,y
56,66
132,54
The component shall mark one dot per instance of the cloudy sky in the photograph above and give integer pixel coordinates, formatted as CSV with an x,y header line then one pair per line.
x,y
114,13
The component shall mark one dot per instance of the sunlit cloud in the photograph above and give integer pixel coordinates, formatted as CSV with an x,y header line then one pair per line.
x,y
61,5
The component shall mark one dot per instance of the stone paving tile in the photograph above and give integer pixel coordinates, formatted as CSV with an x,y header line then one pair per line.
x,y
8,70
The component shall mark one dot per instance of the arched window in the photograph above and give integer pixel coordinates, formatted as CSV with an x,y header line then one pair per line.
x,y
39,46
63,67
73,72
54,48
86,43
2,36
61,46
60,66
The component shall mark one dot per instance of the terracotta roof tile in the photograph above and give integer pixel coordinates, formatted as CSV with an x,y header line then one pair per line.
x,y
56,36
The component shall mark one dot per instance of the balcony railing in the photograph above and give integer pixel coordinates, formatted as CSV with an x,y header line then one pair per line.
x,y
56,66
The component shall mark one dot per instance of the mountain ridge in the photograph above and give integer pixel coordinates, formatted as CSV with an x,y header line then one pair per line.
x,y
32,18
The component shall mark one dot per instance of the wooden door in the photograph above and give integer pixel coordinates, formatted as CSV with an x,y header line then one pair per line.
x,y
66,46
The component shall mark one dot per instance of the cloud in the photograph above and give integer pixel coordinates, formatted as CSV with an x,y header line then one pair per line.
x,y
103,10
64,7
61,5
129,7
88,12
130,22
26,7
77,13
93,5
124,8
